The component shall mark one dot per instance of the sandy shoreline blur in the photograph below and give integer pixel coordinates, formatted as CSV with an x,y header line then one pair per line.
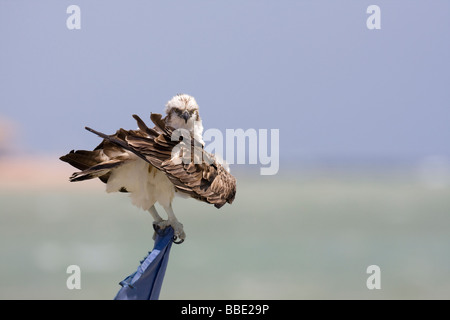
x,y
37,172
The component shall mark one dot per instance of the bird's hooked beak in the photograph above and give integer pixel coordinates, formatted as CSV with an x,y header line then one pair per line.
x,y
185,115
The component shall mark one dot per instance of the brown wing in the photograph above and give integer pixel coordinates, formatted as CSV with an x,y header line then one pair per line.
x,y
196,173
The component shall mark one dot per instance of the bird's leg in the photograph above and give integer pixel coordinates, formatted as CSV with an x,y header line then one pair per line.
x,y
173,222
156,219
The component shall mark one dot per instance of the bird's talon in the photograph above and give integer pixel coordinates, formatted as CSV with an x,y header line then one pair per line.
x,y
158,230
179,234
174,240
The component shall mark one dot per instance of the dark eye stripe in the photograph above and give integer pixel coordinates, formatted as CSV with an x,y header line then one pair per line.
x,y
180,112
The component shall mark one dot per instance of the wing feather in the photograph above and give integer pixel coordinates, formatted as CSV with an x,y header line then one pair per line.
x,y
204,179
207,181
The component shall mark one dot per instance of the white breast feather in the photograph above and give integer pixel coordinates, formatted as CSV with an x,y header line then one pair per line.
x,y
145,187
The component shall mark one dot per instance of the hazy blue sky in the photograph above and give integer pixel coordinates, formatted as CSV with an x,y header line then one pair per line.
x,y
309,68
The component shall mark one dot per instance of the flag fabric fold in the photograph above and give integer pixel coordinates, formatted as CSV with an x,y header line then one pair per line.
x,y
146,282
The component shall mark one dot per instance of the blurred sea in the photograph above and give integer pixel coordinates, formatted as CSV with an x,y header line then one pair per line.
x,y
289,236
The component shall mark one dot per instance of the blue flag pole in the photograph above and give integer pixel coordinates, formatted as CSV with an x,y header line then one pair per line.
x,y
146,282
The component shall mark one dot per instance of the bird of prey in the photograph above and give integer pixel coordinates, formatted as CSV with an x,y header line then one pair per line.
x,y
154,165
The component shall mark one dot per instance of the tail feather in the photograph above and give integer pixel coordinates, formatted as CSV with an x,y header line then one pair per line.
x,y
82,159
93,164
101,170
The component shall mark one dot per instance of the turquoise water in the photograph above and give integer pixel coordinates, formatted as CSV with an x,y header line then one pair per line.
x,y
287,238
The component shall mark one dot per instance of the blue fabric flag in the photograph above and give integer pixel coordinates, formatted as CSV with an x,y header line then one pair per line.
x,y
146,282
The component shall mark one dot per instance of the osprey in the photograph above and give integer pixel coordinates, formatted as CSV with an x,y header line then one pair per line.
x,y
153,164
